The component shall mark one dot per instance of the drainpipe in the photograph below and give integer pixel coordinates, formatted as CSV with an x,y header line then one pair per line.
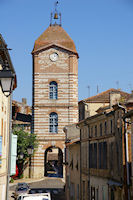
x,y
9,149
126,153
80,186
67,189
80,170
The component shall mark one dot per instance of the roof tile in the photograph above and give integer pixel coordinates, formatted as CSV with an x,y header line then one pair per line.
x,y
104,96
54,34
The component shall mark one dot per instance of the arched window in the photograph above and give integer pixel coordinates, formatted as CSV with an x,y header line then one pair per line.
x,y
53,122
53,90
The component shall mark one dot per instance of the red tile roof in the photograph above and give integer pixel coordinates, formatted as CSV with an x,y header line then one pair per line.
x,y
54,35
104,96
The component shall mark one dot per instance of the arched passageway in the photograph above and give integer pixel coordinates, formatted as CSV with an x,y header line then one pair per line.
x,y
53,162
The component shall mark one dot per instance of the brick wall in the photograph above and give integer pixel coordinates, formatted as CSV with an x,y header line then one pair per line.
x,y
65,73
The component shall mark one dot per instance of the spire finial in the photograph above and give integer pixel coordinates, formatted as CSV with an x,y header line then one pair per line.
x,y
56,3
55,16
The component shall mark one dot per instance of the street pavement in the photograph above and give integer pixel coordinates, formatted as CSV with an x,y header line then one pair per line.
x,y
48,184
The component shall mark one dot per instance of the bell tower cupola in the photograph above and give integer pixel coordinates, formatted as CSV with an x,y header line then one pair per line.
x,y
55,16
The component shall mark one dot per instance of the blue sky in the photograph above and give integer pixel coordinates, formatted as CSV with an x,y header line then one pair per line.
x,y
102,32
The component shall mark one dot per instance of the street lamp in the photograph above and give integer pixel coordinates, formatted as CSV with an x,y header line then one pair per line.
x,y
6,81
21,155
30,152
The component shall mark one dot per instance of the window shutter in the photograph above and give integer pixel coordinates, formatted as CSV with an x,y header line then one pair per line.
x,y
13,154
0,151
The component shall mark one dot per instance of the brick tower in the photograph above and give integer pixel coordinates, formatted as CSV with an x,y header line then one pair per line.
x,y
55,97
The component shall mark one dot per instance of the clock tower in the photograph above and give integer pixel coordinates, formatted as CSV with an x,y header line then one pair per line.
x,y
55,97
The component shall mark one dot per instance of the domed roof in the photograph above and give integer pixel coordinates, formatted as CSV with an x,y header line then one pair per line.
x,y
54,35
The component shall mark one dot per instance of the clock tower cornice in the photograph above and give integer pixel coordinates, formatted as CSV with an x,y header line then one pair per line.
x,y
54,45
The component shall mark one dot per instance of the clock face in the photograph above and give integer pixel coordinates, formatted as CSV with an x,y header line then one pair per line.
x,y
54,57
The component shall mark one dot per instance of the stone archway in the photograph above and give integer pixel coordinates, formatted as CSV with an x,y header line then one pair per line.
x,y
53,162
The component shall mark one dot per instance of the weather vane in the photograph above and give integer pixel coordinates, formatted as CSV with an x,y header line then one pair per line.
x,y
55,16
56,3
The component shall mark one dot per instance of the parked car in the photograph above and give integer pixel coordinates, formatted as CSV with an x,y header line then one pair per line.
x,y
21,188
41,196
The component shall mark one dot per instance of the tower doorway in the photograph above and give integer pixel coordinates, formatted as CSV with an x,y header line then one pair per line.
x,y
53,162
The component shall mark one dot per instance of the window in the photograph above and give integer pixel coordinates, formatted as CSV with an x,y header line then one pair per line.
x,y
105,127
104,155
88,189
53,119
102,148
111,161
100,155
89,131
93,155
118,158
112,194
83,190
101,129
77,191
92,193
103,193
71,163
97,194
72,191
53,90
95,130
92,131
111,126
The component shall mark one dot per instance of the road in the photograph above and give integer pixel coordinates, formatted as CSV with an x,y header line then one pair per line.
x,y
53,185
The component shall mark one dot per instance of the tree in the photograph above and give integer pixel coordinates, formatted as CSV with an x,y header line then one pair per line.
x,y
24,140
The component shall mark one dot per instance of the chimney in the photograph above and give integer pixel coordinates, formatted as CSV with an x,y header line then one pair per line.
x,y
24,101
114,98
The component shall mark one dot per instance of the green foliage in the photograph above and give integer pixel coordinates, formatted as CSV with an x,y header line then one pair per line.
x,y
21,176
24,140
12,180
